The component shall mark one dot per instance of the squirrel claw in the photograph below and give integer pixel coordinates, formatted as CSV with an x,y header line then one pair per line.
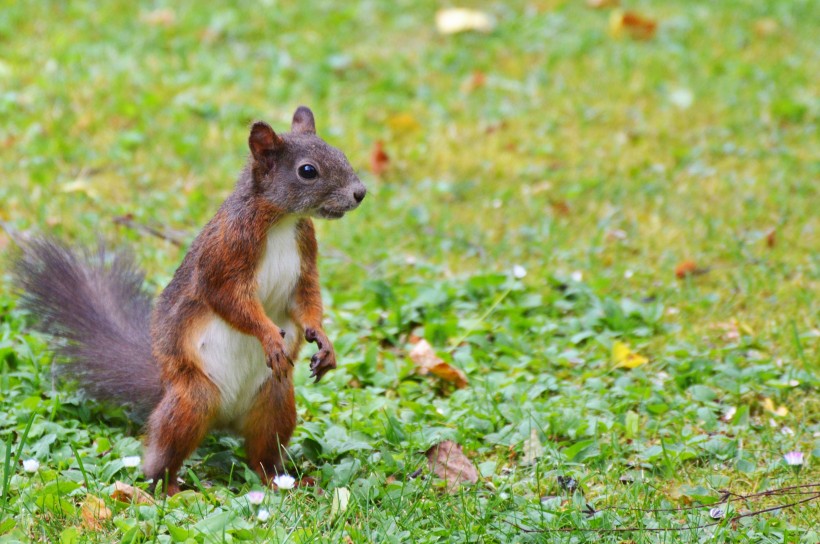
x,y
322,361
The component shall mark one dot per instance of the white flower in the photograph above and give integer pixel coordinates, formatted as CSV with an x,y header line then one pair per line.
x,y
716,513
577,276
263,515
794,458
681,97
256,497
787,431
131,461
31,465
284,481
519,271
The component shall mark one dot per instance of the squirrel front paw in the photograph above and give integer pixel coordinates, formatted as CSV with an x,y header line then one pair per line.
x,y
324,359
276,358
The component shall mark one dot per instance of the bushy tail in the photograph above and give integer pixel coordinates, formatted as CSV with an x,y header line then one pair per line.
x,y
94,306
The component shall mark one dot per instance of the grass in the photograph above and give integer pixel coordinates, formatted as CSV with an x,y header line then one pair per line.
x,y
597,164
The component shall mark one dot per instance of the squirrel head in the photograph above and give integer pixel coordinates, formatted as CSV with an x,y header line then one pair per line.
x,y
300,173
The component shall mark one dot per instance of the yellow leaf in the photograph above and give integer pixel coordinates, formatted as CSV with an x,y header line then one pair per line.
x,y
455,20
80,186
768,405
623,356
403,122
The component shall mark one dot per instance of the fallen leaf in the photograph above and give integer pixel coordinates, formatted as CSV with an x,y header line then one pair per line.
x,y
766,27
560,207
771,238
601,4
379,160
124,492
624,357
79,186
532,449
689,268
632,24
474,81
455,20
449,463
94,512
768,405
159,17
427,362
341,498
733,329
403,122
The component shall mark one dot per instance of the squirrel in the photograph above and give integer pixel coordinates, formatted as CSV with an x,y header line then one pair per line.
x,y
217,349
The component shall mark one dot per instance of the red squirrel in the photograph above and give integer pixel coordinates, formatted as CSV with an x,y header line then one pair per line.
x,y
217,350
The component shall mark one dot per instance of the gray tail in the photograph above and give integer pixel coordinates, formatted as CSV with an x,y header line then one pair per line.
x,y
95,308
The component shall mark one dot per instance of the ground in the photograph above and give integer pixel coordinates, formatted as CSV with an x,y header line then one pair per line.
x,y
615,237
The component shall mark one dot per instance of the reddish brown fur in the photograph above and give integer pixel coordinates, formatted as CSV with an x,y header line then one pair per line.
x,y
218,275
101,311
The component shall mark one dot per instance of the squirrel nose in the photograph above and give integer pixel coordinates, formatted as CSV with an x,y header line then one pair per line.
x,y
359,194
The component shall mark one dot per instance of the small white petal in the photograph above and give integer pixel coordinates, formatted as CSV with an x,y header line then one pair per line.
x,y
519,271
681,98
255,497
787,431
716,513
31,465
263,515
284,481
577,276
131,461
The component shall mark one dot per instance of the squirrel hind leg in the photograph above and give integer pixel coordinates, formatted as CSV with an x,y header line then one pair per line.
x,y
176,427
268,427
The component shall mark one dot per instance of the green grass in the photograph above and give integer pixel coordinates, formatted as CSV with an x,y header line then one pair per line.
x,y
578,159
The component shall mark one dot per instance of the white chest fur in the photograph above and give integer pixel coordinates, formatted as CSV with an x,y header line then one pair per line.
x,y
235,361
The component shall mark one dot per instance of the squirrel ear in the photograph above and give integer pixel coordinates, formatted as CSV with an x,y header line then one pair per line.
x,y
263,141
303,122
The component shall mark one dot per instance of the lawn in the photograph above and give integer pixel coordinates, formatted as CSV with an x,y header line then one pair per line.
x,y
616,239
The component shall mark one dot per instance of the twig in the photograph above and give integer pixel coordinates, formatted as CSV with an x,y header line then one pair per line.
x,y
176,238
726,498
663,529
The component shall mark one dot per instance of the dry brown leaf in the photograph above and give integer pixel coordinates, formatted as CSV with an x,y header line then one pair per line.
x,y
560,207
474,81
634,25
379,159
427,362
771,238
94,512
124,492
689,268
766,27
449,463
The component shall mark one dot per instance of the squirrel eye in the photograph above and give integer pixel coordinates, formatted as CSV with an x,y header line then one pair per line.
x,y
308,171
